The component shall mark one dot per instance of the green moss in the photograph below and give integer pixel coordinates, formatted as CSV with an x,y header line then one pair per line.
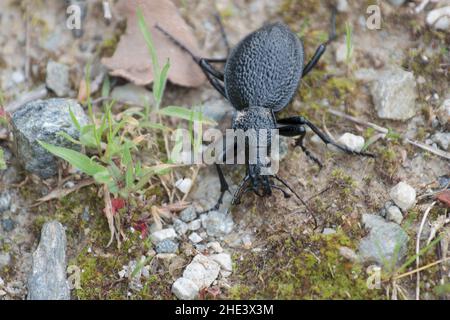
x,y
303,268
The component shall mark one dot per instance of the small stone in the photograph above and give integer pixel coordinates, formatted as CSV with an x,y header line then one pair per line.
x,y
8,225
328,231
195,224
342,6
387,242
18,77
341,53
403,195
185,289
188,214
348,254
48,277
215,246
180,227
5,201
132,94
439,18
247,241
164,234
167,246
351,141
202,271
224,260
217,223
394,214
442,139
443,113
394,94
184,185
195,238
57,78
44,120
5,259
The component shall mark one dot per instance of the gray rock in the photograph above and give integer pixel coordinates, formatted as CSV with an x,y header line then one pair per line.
x,y
194,225
351,141
167,246
403,195
348,254
133,95
328,231
195,238
393,213
57,78
217,223
48,277
394,94
202,271
224,260
185,289
216,109
43,120
439,18
180,227
188,214
386,244
5,201
8,224
442,139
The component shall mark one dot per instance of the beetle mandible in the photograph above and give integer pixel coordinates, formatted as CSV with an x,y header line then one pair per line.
x,y
261,76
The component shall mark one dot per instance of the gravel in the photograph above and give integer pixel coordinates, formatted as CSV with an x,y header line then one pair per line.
x,y
394,94
5,201
164,234
352,141
195,225
57,78
394,214
403,195
328,231
442,139
202,271
185,289
217,224
167,246
180,227
195,238
188,214
439,18
8,224
43,120
224,260
387,242
48,277
133,95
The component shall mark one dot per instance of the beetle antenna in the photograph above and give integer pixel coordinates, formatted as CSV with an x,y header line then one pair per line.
x,y
298,197
178,43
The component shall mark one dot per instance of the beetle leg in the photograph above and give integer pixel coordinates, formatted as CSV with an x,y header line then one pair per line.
x,y
293,131
323,136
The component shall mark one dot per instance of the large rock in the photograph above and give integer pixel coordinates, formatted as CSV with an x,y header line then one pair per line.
x,y
386,244
43,120
48,277
394,94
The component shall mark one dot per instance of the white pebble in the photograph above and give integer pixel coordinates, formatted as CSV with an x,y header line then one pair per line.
x,y
403,195
439,18
224,260
163,234
351,141
185,289
184,185
394,214
195,238
195,225
202,271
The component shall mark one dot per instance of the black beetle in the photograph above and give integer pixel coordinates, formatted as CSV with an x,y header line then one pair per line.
x,y
261,76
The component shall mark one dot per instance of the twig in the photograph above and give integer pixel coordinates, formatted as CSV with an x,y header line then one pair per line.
x,y
418,144
419,234
38,93
421,268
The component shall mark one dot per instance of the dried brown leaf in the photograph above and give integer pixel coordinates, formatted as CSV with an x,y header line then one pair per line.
x,y
132,61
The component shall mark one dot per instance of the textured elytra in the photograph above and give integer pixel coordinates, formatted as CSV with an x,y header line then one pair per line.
x,y
265,68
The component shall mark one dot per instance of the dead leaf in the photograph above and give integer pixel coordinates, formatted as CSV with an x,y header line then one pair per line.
x,y
444,197
132,61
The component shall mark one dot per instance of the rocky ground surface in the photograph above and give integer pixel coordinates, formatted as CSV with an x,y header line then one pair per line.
x,y
389,94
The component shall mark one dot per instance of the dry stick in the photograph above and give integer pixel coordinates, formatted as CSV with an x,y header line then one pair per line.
x,y
438,152
419,234
422,268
